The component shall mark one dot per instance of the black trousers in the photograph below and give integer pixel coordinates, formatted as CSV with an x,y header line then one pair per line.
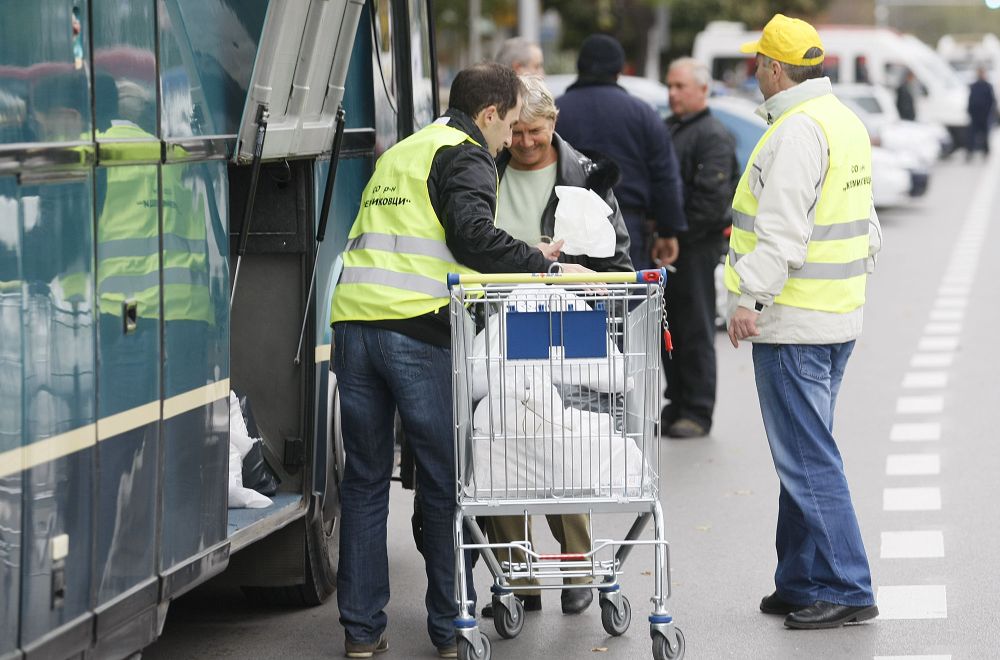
x,y
978,137
690,300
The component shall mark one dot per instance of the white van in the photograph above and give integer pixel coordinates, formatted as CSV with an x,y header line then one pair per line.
x,y
854,54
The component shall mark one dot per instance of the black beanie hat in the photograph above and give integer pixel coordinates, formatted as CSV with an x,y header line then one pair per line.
x,y
600,55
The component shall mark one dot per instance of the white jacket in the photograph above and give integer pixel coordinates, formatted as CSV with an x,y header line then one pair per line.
x,y
786,179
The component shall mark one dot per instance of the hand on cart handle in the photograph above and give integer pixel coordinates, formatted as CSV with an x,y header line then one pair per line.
x,y
551,250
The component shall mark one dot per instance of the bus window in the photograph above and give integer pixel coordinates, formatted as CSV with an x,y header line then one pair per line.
x,y
125,60
861,70
204,66
424,111
831,68
38,65
386,103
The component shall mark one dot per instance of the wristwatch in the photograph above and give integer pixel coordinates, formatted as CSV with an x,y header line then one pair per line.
x,y
758,306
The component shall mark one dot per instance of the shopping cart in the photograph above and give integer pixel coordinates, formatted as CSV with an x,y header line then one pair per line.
x,y
556,382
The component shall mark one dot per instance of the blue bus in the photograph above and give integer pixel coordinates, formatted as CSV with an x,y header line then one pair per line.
x,y
177,180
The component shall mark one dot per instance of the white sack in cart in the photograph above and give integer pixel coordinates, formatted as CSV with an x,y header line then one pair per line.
x,y
540,449
582,223
602,375
240,443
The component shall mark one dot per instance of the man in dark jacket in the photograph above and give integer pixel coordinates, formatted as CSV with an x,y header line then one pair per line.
x,y
596,115
981,104
707,155
428,210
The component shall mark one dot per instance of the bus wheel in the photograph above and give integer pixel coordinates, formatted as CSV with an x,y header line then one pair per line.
x,y
323,530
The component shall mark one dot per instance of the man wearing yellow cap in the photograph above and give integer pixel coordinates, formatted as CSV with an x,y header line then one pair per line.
x,y
804,239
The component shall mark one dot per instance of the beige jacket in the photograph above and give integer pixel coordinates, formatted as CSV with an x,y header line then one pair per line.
x,y
786,178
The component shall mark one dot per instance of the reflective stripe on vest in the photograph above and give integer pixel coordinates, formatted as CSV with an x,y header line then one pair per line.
x,y
396,260
833,276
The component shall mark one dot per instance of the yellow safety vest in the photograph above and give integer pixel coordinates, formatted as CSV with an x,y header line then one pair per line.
x,y
396,260
833,277
128,236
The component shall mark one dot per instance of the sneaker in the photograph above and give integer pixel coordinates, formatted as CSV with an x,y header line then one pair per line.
x,y
449,651
354,649
686,428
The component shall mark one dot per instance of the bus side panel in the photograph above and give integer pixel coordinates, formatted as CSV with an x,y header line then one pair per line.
x,y
59,406
128,381
195,363
11,392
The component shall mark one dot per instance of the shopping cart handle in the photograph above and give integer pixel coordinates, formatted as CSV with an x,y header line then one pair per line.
x,y
650,276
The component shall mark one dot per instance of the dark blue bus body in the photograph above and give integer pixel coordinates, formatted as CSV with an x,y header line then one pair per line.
x,y
120,208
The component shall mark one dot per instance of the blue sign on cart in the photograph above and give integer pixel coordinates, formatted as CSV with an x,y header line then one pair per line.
x,y
582,333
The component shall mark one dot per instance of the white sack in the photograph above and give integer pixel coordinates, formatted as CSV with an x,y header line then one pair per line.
x,y
582,222
537,448
239,444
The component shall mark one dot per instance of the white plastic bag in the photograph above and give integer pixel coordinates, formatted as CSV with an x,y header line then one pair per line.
x,y
239,444
582,222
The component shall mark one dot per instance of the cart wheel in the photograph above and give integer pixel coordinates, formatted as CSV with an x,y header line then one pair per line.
x,y
508,623
616,624
466,651
661,648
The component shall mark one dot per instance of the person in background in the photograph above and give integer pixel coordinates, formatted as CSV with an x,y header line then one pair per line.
x,y
597,116
522,55
982,103
537,161
707,155
428,210
904,98
804,239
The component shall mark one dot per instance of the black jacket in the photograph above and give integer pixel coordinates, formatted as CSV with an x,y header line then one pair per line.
x,y
707,155
463,189
599,175
981,102
601,117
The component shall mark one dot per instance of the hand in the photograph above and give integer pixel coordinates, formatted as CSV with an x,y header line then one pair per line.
x,y
552,250
743,324
575,268
665,251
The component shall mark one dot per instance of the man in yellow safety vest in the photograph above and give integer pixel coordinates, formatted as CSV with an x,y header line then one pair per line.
x,y
804,239
429,209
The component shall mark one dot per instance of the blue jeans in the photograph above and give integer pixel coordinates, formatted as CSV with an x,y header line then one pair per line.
x,y
377,372
820,552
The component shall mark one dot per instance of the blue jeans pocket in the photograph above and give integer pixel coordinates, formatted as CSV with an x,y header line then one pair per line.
x,y
812,361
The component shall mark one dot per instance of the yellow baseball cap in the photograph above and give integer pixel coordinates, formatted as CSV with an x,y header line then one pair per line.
x,y
787,40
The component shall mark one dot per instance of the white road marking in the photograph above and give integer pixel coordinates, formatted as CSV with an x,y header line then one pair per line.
x,y
947,314
912,602
921,379
915,432
951,302
912,657
943,329
912,545
932,360
908,465
919,404
911,499
952,290
937,344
